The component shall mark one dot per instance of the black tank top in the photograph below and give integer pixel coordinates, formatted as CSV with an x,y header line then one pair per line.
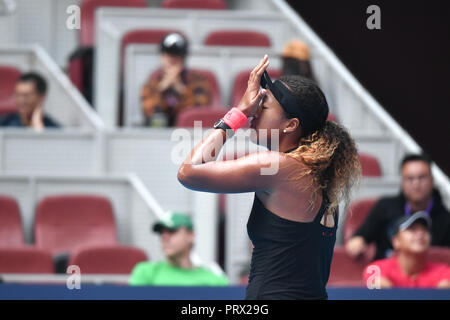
x,y
290,260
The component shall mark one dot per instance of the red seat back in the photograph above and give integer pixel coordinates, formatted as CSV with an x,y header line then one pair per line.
x,y
356,214
241,81
149,36
64,223
439,254
194,4
107,259
11,234
144,36
370,166
8,79
25,260
237,38
331,117
88,7
346,271
208,116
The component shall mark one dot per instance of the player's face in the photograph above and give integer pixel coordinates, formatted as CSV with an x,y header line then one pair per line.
x,y
266,126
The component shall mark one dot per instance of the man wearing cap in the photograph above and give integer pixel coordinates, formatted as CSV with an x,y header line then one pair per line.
x,y
409,267
417,194
177,238
173,87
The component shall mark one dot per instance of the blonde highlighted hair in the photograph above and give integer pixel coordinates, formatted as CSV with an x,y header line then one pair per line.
x,y
329,154
331,160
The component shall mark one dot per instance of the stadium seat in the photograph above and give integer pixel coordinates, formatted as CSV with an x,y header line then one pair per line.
x,y
346,271
216,99
11,234
116,259
194,4
66,222
240,84
8,79
439,254
356,214
25,260
370,166
332,117
146,36
208,116
88,7
237,38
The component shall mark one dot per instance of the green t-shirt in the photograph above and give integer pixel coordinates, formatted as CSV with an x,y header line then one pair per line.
x,y
164,274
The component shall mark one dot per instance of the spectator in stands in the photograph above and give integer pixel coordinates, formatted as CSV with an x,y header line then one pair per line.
x,y
177,238
175,87
417,194
409,267
30,93
295,59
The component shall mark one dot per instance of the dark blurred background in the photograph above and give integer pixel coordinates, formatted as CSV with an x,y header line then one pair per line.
x,y
405,65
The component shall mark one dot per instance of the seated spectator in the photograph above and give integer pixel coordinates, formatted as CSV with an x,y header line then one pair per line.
x,y
30,93
408,267
295,60
177,238
175,87
417,195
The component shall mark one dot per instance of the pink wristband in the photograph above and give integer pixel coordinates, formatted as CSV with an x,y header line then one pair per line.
x,y
235,118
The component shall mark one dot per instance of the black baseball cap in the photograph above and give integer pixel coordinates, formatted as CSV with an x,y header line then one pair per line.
x,y
174,43
405,222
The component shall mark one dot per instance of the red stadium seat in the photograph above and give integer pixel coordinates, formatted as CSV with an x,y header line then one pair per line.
x,y
8,79
25,260
240,84
208,116
370,166
146,36
439,254
11,234
194,4
216,100
88,7
64,223
116,259
332,117
346,271
356,214
237,38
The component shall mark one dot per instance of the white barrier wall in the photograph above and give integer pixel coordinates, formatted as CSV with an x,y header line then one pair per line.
x,y
63,103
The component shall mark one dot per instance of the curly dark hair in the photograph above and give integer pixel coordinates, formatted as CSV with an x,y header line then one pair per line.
x,y
329,153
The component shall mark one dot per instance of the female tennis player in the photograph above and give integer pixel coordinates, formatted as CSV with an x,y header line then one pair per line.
x,y
293,222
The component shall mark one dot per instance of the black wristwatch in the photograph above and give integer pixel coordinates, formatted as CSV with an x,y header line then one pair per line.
x,y
220,124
